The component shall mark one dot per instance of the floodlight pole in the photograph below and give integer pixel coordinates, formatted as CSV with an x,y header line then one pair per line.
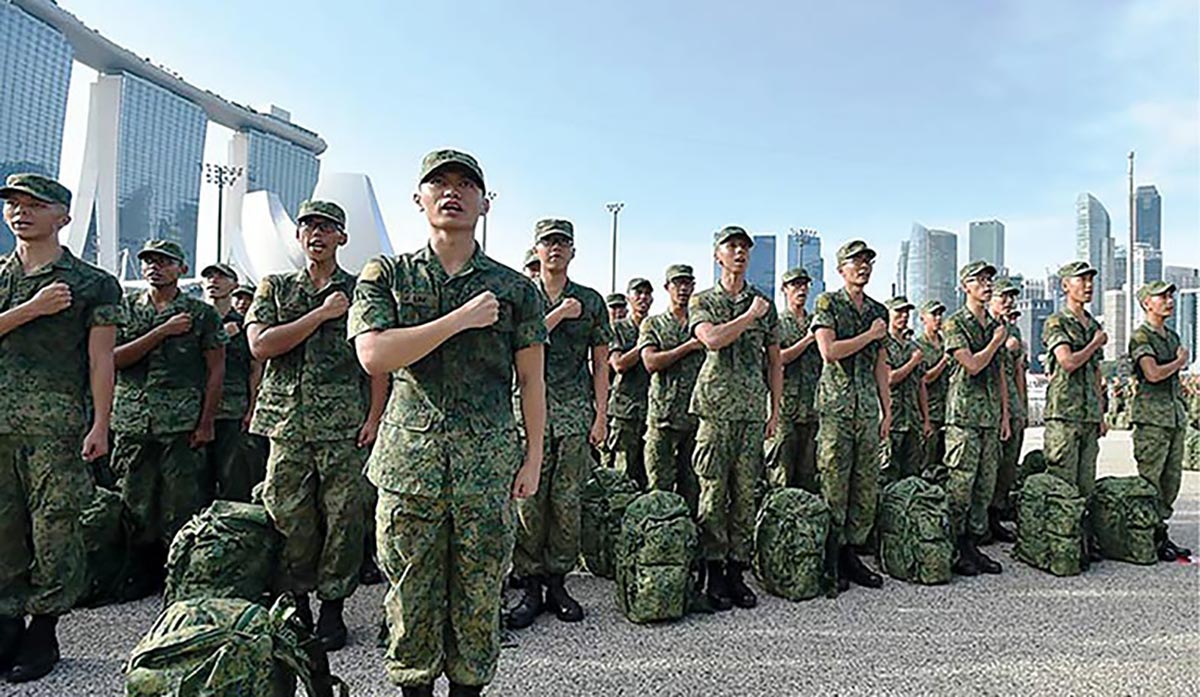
x,y
222,176
615,209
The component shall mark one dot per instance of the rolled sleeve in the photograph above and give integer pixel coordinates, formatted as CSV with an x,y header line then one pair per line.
x,y
263,310
107,310
699,313
529,315
212,332
374,307
955,336
823,313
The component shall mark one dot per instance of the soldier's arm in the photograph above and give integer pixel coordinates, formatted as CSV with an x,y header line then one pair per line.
x,y
791,353
101,377
214,364
380,386
657,359
1019,371
268,342
881,385
775,377
623,361
1070,360
1157,372
974,363
717,336
932,375
133,351
834,349
899,375
531,381
256,373
1005,400
923,402
600,379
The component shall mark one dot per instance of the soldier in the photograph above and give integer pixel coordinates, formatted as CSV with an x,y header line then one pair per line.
x,y
58,325
448,449
934,364
976,417
1074,395
243,297
533,265
1012,371
1159,411
227,460
170,360
672,357
627,401
854,410
742,376
791,456
910,402
577,401
618,307
321,414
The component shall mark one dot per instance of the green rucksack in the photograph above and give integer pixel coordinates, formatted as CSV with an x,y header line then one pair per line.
x,y
1124,514
105,528
655,552
603,501
224,646
915,542
228,550
789,543
1050,525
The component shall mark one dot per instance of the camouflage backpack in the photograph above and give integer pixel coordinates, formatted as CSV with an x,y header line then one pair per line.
x,y
654,556
223,646
1050,525
603,501
1124,513
228,550
106,534
915,543
789,543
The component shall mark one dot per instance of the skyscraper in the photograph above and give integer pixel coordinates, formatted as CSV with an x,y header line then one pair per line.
x,y
1187,315
1092,244
1120,270
985,240
932,272
1032,321
902,269
1149,216
274,164
761,271
804,250
1182,276
1115,310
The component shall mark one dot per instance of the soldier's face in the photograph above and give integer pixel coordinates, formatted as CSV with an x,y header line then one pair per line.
x,y
856,271
933,320
161,271
680,290
1160,305
734,254
980,287
617,312
33,219
533,269
241,302
1080,288
320,238
451,199
640,299
555,252
899,320
218,286
1003,304
796,293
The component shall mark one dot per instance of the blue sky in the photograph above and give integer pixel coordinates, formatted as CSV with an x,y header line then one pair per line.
x,y
856,119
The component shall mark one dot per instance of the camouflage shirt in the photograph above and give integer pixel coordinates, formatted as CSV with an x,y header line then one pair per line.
x,y
1009,362
570,396
1156,403
936,390
1071,396
671,389
732,383
630,390
164,391
235,392
317,391
971,400
847,388
801,375
906,405
44,364
461,387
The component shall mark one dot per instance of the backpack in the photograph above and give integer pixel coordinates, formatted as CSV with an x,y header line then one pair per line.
x,y
1033,463
105,529
1050,525
654,555
1124,514
915,542
227,646
603,501
1191,449
228,550
789,543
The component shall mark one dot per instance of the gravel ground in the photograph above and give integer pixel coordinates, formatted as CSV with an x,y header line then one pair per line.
x,y
1118,629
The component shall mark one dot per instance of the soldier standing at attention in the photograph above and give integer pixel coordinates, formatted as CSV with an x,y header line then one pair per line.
x,y
618,307
672,357
791,456
577,399
855,411
533,265
1074,396
741,378
976,417
322,416
170,359
1012,369
58,326
243,297
1159,411
935,377
449,459
910,402
627,401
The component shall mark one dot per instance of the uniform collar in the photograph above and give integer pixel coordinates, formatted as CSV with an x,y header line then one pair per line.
x,y
339,278
65,261
144,299
477,262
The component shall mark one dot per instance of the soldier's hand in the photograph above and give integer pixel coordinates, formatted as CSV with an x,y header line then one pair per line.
x,y
759,307
180,323
527,479
1013,344
1005,428
695,344
480,311
1103,427
1101,337
368,433
204,434
598,433
878,329
95,444
918,356
885,427
1181,355
928,428
571,308
1001,333
247,420
335,305
772,427
51,300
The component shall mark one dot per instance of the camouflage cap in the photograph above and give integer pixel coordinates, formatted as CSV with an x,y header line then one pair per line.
x,y
1006,286
852,249
730,231
531,258
639,282
1076,268
37,186
1154,288
244,289
439,159
796,275
899,303
975,268
932,307
675,271
1014,314
553,226
224,269
166,248
322,209
615,300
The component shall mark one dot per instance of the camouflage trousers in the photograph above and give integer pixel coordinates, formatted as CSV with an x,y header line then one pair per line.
x,y
626,445
668,459
548,529
44,486
935,448
1071,449
791,456
314,494
848,466
163,481
229,462
1158,452
1006,472
906,455
728,464
972,456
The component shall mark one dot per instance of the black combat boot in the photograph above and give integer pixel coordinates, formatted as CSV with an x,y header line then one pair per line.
x,y
996,530
39,650
833,579
1162,547
530,606
560,601
417,691
368,573
739,592
303,610
12,629
457,690
858,572
331,628
964,564
983,562
1180,552
717,590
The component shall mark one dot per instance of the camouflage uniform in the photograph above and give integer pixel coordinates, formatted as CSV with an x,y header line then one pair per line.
x,y
907,445
228,457
1159,417
791,456
670,428
311,404
1073,410
731,399
548,534
45,407
848,411
1010,450
627,403
935,444
444,463
156,407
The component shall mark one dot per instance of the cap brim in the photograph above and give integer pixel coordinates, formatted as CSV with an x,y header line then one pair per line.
x,y
641,284
676,277
8,191
456,165
934,310
157,252
552,233
907,306
743,235
243,291
324,216
213,268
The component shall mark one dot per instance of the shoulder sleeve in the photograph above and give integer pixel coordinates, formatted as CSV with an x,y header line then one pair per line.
x,y
106,309
264,309
771,324
1140,345
373,307
1054,333
699,312
955,335
648,334
823,312
529,317
601,333
128,330
212,330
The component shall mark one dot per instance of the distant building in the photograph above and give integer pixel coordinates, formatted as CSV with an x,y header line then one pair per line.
x,y
804,251
761,271
1149,216
902,269
1093,230
932,272
985,240
1182,276
1034,312
1147,267
1120,269
1114,324
1187,322
271,163
1033,289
